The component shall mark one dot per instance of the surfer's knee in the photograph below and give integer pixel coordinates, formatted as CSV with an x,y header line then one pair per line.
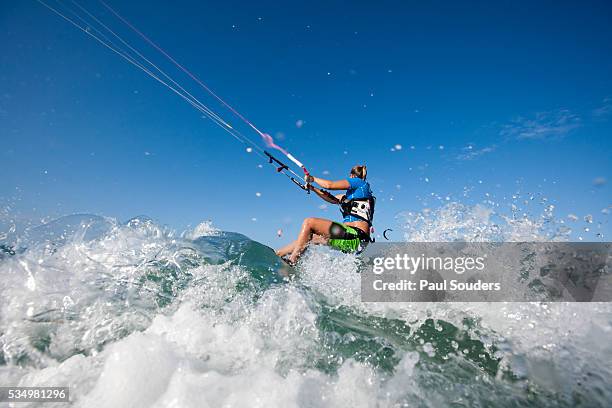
x,y
308,222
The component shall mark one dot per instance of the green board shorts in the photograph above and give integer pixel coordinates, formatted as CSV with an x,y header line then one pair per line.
x,y
347,239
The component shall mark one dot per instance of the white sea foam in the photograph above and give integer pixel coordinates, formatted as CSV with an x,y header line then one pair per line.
x,y
96,313
203,229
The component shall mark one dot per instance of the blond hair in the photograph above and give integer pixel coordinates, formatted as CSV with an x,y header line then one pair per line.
x,y
360,171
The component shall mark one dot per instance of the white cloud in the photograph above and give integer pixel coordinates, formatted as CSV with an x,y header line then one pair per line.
x,y
544,125
599,181
605,110
470,153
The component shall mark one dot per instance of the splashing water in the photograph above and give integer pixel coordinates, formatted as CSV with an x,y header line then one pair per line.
x,y
203,229
130,314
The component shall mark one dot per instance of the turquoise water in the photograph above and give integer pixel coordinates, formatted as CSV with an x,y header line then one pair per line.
x,y
133,314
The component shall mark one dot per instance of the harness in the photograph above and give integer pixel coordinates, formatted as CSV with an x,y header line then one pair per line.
x,y
361,208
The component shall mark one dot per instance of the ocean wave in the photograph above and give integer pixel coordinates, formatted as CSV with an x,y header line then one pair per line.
x,y
134,314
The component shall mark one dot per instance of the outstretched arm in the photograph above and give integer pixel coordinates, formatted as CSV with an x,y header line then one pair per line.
x,y
325,195
331,185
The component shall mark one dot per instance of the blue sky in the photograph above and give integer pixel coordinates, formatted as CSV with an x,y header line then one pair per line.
x,y
492,98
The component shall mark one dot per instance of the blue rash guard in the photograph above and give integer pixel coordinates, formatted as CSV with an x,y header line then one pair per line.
x,y
359,188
